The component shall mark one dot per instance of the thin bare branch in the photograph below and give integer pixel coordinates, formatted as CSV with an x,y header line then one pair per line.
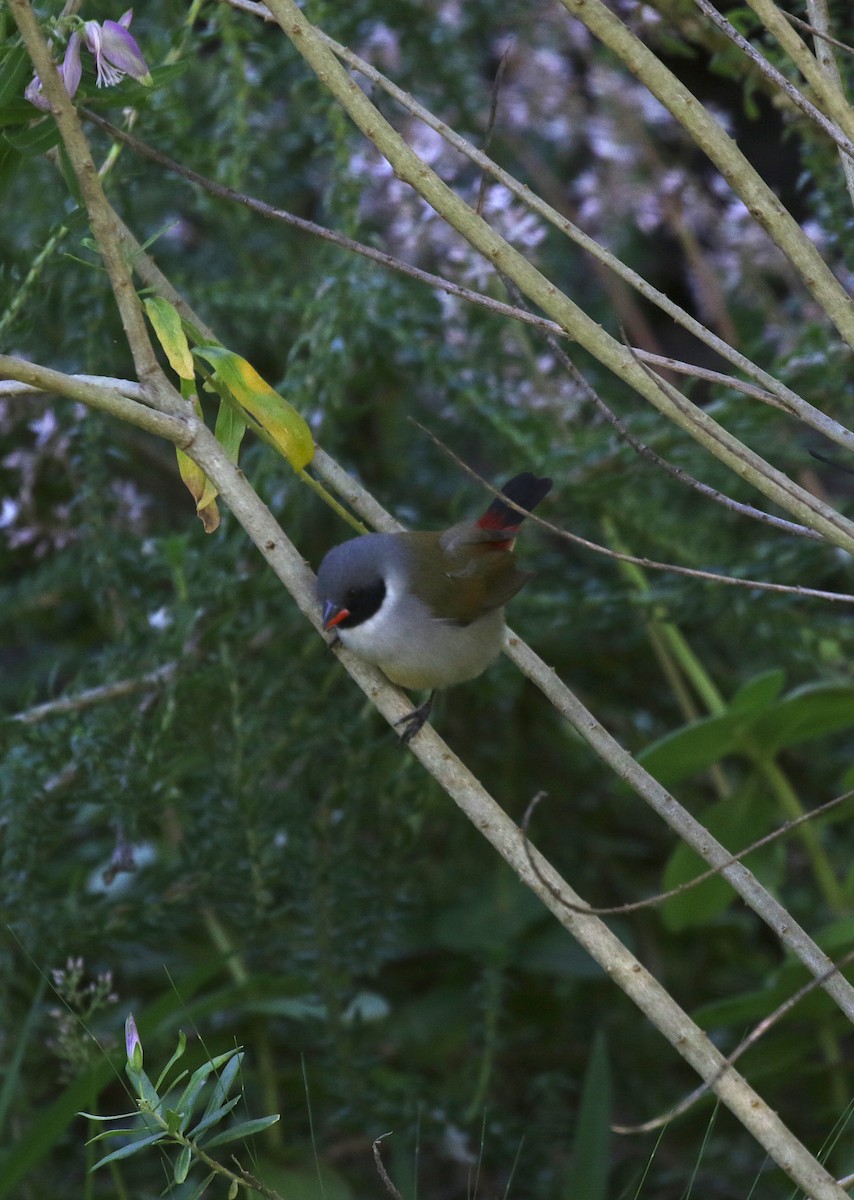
x,y
779,80
660,898
381,1171
759,1031
97,695
643,451
29,377
649,563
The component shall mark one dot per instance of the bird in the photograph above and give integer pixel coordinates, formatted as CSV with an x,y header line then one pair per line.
x,y
428,608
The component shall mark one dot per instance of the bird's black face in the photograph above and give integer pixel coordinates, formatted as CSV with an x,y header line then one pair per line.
x,y
359,603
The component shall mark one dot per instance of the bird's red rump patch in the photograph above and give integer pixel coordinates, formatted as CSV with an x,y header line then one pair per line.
x,y
505,519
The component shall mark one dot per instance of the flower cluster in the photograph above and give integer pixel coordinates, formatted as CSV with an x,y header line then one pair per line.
x,y
116,55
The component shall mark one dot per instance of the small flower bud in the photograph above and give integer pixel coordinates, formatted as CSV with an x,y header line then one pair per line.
x,y
133,1045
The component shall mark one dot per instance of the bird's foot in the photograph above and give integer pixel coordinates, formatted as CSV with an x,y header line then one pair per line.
x,y
414,721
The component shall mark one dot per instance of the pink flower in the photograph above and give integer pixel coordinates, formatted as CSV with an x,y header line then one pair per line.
x,y
69,73
116,52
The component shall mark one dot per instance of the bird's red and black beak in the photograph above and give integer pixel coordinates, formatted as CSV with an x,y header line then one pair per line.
x,y
333,615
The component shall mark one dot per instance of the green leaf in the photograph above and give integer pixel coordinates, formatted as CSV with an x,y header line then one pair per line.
x,y
223,1084
244,1130
10,161
736,821
197,1192
810,712
109,1133
215,1116
591,1144
143,1087
229,430
183,1164
131,1149
173,1120
15,73
197,1081
758,693
35,139
166,324
693,748
179,1053
285,427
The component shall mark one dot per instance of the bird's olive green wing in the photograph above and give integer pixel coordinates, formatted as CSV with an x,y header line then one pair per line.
x,y
469,575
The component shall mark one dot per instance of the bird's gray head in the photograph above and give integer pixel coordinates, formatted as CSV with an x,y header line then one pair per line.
x,y
351,581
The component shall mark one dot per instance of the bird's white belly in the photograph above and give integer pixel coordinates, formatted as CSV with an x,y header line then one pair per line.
x,y
415,650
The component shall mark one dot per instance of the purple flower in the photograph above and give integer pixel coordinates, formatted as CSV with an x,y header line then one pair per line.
x,y
116,52
69,73
133,1045
116,55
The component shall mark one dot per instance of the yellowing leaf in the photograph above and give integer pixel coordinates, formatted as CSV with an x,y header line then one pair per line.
x,y
201,489
167,325
285,427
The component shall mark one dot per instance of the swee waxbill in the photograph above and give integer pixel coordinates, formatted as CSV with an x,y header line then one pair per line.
x,y
428,608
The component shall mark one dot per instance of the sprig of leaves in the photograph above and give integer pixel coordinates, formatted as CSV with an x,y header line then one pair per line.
x,y
172,1120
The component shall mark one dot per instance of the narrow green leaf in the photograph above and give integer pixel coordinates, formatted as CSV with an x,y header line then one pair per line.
x,y
591,1143
201,1189
16,71
143,1087
244,1130
229,430
131,1149
179,1053
213,1118
223,1084
285,427
197,1081
166,324
108,1133
809,712
182,1166
34,139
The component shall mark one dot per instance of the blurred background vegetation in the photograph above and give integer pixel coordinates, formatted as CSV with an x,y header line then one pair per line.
x,y
245,851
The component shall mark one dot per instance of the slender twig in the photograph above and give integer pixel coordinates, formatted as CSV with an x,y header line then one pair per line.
x,y
498,307
97,695
827,91
108,399
789,399
642,450
649,563
764,1026
660,898
381,1171
698,423
845,144
825,37
711,138
820,19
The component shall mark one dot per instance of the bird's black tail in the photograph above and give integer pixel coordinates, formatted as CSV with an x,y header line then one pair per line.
x,y
526,490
